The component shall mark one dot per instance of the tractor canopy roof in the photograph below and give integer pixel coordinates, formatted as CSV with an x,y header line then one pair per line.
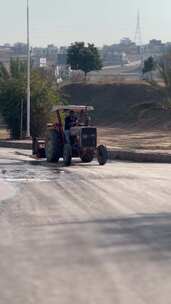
x,y
74,108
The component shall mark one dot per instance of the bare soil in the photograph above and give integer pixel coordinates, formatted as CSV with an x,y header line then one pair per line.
x,y
130,115
122,138
126,103
4,134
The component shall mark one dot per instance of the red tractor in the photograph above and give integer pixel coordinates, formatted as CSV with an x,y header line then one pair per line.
x,y
80,140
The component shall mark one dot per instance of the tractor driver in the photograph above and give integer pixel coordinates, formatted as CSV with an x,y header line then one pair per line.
x,y
84,119
70,121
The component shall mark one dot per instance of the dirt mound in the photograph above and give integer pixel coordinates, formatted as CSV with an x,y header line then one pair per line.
x,y
118,103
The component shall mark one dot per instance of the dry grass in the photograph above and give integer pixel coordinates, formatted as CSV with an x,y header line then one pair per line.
x,y
135,139
4,134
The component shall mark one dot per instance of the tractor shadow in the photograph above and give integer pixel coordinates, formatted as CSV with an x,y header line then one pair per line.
x,y
144,237
60,165
76,162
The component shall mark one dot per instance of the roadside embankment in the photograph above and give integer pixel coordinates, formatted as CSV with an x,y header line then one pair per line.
x,y
16,144
142,157
114,154
130,104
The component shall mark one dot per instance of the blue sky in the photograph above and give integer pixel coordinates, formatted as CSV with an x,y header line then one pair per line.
x,y
99,21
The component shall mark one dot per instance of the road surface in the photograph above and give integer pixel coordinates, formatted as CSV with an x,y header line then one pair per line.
x,y
130,67
85,234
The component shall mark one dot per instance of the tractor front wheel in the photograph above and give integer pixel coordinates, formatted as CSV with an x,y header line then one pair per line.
x,y
34,146
102,155
67,155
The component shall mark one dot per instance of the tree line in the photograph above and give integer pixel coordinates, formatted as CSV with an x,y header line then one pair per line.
x,y
44,90
13,104
162,65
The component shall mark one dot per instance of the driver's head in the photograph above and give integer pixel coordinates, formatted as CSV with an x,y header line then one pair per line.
x,y
71,113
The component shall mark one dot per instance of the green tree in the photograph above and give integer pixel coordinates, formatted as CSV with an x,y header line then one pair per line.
x,y
18,68
85,58
43,96
13,93
164,68
149,65
3,73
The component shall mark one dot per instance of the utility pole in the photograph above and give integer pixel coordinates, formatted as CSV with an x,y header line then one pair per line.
x,y
21,120
28,72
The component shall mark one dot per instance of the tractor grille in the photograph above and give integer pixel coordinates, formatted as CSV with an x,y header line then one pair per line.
x,y
88,137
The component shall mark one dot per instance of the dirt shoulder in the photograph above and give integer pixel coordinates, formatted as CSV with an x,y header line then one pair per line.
x,y
134,139
123,144
120,138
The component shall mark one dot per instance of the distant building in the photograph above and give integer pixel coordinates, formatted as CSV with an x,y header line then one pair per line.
x,y
8,52
48,54
5,54
168,47
119,54
154,48
62,56
111,57
54,58
126,41
19,48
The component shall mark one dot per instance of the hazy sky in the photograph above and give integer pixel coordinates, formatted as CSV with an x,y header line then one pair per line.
x,y
100,21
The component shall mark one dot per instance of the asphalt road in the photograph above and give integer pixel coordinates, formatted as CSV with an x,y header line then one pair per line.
x,y
85,234
130,67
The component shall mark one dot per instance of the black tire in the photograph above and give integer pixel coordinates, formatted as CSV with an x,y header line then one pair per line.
x,y
34,146
53,146
102,155
36,150
67,155
41,153
87,157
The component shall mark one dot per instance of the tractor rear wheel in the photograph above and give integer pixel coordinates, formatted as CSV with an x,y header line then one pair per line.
x,y
67,154
53,146
102,155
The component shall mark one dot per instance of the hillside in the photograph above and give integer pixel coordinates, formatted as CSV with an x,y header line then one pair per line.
x,y
120,103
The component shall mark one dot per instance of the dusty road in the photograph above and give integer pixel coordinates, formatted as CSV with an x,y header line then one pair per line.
x,y
84,235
